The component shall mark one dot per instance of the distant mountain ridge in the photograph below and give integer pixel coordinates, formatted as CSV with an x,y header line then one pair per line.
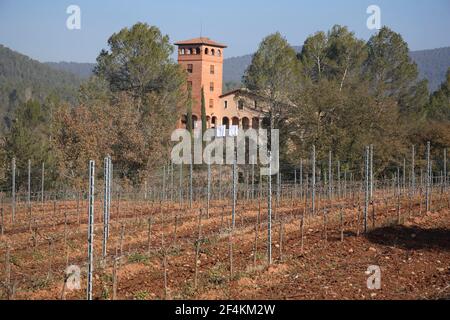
x,y
234,67
22,78
82,70
432,63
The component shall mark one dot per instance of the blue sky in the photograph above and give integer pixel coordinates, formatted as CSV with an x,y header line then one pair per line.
x,y
38,28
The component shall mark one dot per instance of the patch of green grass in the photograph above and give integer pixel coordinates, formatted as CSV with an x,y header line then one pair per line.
x,y
107,277
37,256
71,244
15,260
138,258
174,251
187,290
217,275
261,255
105,293
40,283
213,240
141,295
238,275
202,242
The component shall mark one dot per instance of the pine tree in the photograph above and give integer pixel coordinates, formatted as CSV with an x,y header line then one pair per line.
x,y
274,74
439,106
392,73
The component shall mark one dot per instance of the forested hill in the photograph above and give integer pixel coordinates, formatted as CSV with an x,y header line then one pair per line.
x,y
234,67
433,65
22,78
82,70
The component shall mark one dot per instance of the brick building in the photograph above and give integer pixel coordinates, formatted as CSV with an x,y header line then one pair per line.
x,y
202,58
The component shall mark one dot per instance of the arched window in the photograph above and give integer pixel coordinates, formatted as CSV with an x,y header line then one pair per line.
x,y
245,123
194,121
219,53
197,50
206,51
183,121
182,51
188,51
226,122
235,121
213,52
214,122
255,123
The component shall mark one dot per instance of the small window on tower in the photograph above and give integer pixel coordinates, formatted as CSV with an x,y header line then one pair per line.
x,y
190,68
211,86
225,104
211,103
211,69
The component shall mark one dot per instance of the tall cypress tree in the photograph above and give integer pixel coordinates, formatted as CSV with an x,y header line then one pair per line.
x,y
189,112
203,112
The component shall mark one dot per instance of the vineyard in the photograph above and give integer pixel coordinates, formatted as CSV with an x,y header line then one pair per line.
x,y
225,232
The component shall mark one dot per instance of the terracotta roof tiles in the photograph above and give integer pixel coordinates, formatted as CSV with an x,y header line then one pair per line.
x,y
200,41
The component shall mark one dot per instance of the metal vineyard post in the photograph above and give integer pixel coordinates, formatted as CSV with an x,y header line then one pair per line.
x,y
91,229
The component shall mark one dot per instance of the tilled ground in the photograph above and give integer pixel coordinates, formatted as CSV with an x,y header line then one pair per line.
x,y
413,255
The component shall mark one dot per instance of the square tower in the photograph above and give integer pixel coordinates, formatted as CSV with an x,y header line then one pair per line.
x,y
202,58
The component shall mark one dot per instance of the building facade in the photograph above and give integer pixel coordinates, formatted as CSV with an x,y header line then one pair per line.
x,y
202,58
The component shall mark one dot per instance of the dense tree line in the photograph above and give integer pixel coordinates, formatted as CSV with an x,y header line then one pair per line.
x,y
346,93
127,110
339,93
